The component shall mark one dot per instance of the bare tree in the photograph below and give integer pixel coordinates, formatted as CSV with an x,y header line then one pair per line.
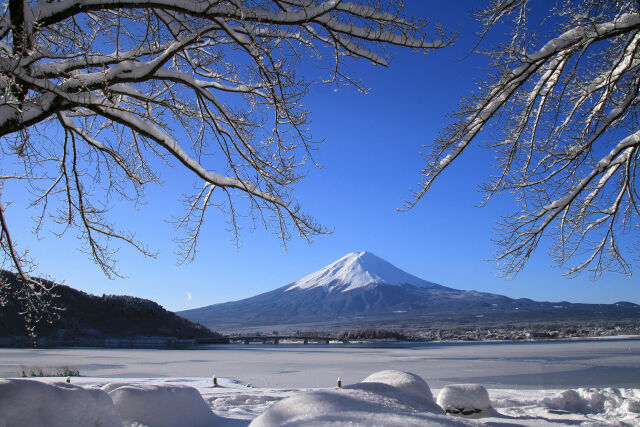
x,y
567,140
96,96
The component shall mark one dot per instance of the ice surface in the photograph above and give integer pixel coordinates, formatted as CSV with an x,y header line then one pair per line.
x,y
464,398
34,403
162,405
535,365
356,270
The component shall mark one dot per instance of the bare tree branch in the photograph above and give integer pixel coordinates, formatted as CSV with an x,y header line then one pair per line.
x,y
92,91
568,142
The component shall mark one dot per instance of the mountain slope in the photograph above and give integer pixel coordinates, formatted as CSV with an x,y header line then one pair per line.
x,y
88,316
356,270
363,290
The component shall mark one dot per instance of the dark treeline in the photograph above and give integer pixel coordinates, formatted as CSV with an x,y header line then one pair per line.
x,y
83,316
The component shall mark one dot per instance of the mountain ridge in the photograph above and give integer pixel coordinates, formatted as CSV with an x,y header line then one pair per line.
x,y
353,292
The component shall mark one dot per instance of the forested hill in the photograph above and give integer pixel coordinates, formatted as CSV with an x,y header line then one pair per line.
x,y
88,317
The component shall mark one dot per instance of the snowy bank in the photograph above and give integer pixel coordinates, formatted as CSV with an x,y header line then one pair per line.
x,y
361,404
585,406
161,405
34,403
44,401
384,398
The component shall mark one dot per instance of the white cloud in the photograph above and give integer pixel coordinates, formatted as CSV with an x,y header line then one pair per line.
x,y
189,298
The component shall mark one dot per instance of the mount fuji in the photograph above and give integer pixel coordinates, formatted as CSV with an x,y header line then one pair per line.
x,y
358,270
363,290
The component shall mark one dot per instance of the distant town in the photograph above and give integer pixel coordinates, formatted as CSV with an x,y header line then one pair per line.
x,y
532,332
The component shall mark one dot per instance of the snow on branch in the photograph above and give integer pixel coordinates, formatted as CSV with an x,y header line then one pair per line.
x,y
567,142
93,91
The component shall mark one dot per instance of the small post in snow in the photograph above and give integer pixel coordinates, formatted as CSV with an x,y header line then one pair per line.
x,y
215,381
68,379
339,383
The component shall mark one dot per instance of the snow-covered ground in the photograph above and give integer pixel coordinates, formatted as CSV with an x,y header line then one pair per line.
x,y
595,383
235,404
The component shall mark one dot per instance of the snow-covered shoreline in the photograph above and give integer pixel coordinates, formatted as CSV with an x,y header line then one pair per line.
x,y
237,404
595,382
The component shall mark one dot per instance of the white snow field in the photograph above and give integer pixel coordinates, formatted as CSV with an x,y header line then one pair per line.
x,y
179,402
596,383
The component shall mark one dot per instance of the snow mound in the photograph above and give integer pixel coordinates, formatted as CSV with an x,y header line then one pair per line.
x,y
357,270
594,401
34,403
405,381
108,388
465,399
162,405
362,404
598,406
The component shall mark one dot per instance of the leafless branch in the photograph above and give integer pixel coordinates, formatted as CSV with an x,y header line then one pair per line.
x,y
568,142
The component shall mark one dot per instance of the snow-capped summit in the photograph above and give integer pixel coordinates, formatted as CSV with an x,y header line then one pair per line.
x,y
356,270
361,290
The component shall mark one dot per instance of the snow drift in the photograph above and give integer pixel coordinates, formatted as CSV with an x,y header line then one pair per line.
x,y
161,406
594,401
405,381
375,401
590,406
386,397
34,403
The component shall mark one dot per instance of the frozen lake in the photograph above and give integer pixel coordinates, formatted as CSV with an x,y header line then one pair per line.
x,y
530,365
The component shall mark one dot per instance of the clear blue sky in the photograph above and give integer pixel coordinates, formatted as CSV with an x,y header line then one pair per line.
x,y
371,162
